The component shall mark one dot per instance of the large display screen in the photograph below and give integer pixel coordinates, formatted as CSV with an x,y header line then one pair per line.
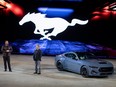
x,y
58,25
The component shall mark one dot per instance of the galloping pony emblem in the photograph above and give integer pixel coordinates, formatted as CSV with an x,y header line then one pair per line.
x,y
44,24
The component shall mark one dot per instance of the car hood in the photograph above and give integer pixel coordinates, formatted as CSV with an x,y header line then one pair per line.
x,y
97,62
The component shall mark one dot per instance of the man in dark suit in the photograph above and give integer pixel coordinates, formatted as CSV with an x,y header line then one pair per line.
x,y
37,59
6,50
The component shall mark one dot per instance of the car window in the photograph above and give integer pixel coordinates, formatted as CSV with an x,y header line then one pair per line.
x,y
91,56
71,55
83,56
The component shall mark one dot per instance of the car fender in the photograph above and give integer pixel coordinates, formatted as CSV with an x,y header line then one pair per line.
x,y
61,60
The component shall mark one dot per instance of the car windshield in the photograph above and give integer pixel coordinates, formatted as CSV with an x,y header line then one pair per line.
x,y
71,55
83,56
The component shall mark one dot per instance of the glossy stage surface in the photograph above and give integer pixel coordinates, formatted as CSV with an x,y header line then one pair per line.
x,y
23,68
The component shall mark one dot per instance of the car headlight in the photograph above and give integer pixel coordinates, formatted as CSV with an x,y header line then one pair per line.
x,y
93,66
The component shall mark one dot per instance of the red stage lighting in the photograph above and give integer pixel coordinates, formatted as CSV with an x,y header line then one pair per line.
x,y
17,10
105,13
9,6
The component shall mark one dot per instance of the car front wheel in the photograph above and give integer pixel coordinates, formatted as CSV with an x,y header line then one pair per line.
x,y
84,72
59,66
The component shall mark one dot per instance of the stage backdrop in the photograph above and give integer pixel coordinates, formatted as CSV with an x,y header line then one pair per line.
x,y
58,26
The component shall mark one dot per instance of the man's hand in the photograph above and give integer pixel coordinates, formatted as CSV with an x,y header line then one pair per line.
x,y
7,51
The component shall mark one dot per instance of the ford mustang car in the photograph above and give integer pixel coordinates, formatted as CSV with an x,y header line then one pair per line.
x,y
86,64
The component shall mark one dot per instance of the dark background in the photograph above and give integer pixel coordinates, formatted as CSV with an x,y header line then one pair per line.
x,y
100,32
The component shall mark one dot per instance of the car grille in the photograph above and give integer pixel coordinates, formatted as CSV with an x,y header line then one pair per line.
x,y
105,74
106,69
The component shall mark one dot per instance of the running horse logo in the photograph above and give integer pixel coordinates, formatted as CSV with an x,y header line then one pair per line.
x,y
44,24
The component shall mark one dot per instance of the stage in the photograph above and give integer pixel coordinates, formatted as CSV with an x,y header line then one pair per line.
x,y
23,68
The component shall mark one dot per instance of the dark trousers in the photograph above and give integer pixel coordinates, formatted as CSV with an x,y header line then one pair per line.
x,y
37,67
6,60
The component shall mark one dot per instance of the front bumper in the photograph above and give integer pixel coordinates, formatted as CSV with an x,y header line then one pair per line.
x,y
102,71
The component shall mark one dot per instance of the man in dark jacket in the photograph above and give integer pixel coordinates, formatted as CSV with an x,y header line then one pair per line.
x,y
37,59
6,50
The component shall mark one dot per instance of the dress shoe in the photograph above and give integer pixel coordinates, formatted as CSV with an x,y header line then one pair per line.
x,y
35,73
38,73
10,70
5,70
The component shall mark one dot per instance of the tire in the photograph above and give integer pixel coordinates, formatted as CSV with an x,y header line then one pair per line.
x,y
84,72
59,66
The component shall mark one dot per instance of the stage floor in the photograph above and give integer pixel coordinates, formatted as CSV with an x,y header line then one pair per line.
x,y
23,68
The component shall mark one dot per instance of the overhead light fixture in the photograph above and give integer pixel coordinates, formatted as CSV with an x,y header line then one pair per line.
x,y
3,4
112,6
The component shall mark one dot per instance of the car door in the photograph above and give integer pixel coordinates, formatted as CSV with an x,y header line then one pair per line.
x,y
71,62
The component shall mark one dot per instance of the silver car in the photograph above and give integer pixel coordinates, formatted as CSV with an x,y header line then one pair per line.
x,y
86,64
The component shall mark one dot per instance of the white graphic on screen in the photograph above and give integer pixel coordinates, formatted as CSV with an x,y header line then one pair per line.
x,y
43,24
